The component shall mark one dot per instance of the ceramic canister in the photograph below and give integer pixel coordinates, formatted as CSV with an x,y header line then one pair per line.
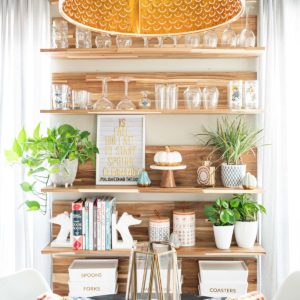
x,y
159,229
184,226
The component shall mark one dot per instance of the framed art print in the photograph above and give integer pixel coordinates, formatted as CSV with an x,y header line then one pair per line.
x,y
121,144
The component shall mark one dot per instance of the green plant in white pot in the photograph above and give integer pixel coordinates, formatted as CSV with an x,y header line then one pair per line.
x,y
54,156
232,139
246,226
223,219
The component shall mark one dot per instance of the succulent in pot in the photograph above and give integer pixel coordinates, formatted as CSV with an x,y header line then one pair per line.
x,y
246,227
232,139
223,219
54,156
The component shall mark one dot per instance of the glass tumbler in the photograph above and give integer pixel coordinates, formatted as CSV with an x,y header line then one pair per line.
x,y
160,96
210,97
192,97
83,38
235,94
59,33
210,39
123,41
192,40
60,96
103,41
171,97
80,99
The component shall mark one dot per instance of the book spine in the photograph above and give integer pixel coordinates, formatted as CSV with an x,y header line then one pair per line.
x,y
77,225
94,237
103,223
86,209
83,227
108,225
98,224
91,217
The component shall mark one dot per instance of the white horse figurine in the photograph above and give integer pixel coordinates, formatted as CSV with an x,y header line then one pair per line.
x,y
65,223
122,225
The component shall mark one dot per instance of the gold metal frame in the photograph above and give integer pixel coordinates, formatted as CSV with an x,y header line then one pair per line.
x,y
151,17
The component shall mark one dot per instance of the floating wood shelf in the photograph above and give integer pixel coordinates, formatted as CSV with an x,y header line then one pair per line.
x,y
155,52
152,189
217,111
197,251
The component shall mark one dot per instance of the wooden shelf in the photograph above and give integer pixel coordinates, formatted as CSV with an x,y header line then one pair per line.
x,y
152,189
155,52
217,111
197,251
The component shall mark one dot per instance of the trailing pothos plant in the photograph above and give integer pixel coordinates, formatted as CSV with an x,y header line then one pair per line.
x,y
246,209
41,156
232,139
220,213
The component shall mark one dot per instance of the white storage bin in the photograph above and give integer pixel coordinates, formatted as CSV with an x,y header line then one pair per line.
x,y
87,289
94,270
223,289
223,271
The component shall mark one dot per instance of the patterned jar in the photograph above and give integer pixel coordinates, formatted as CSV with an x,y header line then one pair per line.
x,y
184,226
159,229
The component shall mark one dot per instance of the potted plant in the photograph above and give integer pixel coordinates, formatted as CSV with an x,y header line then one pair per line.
x,y
246,226
232,139
223,220
54,156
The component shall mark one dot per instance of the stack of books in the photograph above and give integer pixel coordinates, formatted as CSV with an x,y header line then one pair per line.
x,y
91,223
93,277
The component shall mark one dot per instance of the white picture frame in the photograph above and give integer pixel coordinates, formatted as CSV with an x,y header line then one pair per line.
x,y
121,144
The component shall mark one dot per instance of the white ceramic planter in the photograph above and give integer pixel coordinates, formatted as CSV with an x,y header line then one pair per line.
x,y
223,236
245,233
66,174
232,175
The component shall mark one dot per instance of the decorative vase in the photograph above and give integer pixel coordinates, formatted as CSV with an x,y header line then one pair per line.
x,y
232,175
249,182
66,174
144,179
184,226
206,174
159,229
245,233
223,236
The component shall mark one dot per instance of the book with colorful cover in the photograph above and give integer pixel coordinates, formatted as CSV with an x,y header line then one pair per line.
x,y
109,209
77,241
94,236
103,222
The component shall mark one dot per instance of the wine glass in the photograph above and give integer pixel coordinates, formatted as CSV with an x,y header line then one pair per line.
x,y
104,103
247,36
228,38
126,103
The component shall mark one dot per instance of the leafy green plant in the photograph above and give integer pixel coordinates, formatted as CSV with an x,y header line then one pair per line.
x,y
232,139
245,208
220,213
41,155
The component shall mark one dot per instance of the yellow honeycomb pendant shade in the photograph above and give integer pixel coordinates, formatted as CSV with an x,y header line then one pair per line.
x,y
151,17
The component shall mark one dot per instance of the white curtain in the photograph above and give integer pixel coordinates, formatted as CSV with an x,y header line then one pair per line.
x,y
280,228
24,83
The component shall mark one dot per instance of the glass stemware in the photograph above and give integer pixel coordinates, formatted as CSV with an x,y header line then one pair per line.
x,y
192,40
104,103
228,38
126,103
247,36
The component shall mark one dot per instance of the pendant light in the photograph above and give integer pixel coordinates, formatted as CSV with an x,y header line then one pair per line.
x,y
151,17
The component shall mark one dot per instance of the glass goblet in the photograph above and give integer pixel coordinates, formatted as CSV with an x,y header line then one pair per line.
x,y
210,39
228,38
126,103
104,103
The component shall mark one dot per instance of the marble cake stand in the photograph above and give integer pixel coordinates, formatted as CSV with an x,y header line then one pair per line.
x,y
167,177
